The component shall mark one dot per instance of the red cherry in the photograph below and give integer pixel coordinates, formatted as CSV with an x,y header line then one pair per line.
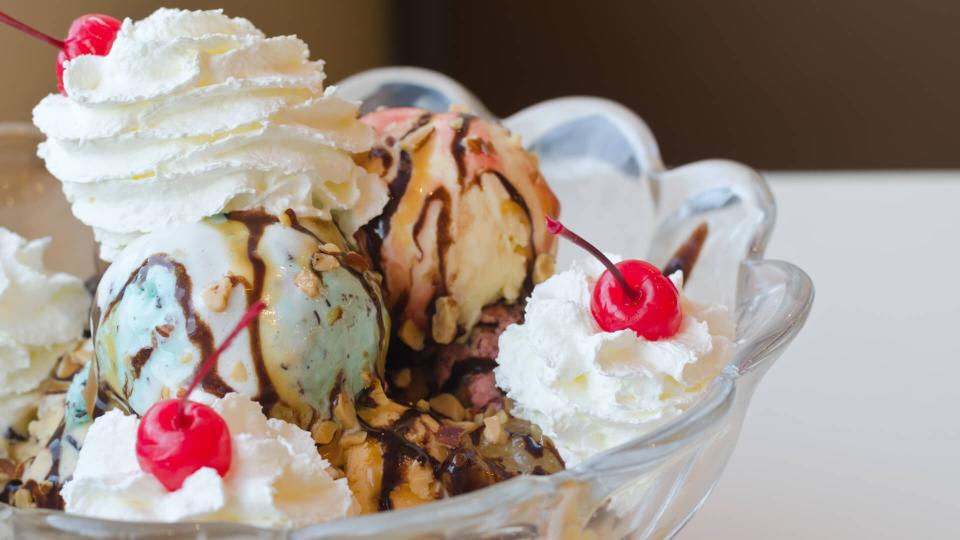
x,y
179,437
88,34
93,33
171,446
653,313
631,295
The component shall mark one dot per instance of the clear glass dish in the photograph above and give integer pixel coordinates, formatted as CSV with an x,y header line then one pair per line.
x,y
604,164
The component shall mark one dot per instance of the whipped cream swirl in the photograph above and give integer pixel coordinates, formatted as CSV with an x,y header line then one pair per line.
x,y
193,113
591,390
276,479
42,315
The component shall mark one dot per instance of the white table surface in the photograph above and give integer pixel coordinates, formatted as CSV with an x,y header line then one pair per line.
x,y
855,433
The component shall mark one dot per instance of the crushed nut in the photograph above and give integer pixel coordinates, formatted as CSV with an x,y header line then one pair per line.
x,y
444,327
334,315
413,141
284,219
324,431
423,405
543,268
331,249
378,395
238,372
493,431
308,282
457,123
164,330
448,405
353,439
412,335
322,262
402,378
217,294
430,422
466,427
40,467
345,412
511,293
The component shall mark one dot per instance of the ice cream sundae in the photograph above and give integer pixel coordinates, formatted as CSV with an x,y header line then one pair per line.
x,y
309,314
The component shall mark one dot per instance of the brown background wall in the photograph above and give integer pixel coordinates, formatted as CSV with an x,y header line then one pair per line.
x,y
779,84
775,83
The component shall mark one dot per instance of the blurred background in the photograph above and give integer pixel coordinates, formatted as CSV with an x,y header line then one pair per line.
x,y
857,84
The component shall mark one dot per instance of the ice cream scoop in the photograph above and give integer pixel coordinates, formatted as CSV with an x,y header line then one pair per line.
x,y
171,295
464,226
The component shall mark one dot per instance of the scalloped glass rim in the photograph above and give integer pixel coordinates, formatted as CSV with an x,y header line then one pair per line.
x,y
772,317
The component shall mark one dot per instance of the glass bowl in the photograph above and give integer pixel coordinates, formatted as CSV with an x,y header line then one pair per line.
x,y
604,165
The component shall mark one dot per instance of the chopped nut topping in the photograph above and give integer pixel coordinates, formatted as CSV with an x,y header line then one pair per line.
x,y
353,439
449,436
308,282
324,431
331,249
457,123
283,412
411,335
217,294
334,315
238,372
345,412
415,140
378,395
322,262
448,405
445,320
467,427
423,405
22,499
40,468
493,431
164,330
430,422
284,219
543,268
402,378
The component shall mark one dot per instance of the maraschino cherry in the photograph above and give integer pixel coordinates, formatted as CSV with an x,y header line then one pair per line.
x,y
631,294
93,33
177,437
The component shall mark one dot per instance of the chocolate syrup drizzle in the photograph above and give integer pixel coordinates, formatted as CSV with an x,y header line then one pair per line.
x,y
256,221
197,331
687,254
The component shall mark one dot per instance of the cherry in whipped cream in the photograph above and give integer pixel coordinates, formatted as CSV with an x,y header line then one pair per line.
x,y
93,33
631,294
176,438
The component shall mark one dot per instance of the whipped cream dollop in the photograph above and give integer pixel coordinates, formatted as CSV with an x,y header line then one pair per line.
x,y
193,113
42,315
591,390
276,478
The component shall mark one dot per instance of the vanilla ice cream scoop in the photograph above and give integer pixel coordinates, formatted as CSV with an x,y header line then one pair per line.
x,y
193,113
464,227
173,295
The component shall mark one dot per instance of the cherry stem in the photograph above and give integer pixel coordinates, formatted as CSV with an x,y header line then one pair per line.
x,y
205,367
6,19
557,228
